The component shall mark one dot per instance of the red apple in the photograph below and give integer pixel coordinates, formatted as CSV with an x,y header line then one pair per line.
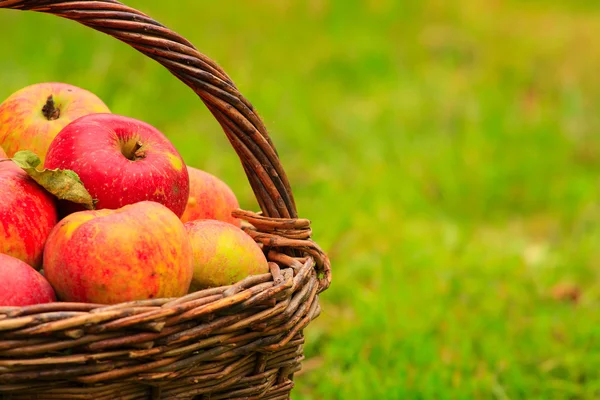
x,y
121,161
210,198
223,254
27,214
137,252
31,117
21,285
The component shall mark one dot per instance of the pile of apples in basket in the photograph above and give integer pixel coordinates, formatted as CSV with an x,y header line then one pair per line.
x,y
97,207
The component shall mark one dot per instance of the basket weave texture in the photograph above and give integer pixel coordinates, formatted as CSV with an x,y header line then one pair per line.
x,y
242,341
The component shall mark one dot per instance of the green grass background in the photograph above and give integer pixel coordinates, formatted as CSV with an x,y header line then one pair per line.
x,y
446,151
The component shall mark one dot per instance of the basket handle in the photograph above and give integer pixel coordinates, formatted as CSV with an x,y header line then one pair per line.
x,y
240,122
278,225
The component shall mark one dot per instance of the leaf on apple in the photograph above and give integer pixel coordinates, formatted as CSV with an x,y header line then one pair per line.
x,y
62,183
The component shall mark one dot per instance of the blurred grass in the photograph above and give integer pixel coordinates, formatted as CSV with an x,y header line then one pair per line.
x,y
447,153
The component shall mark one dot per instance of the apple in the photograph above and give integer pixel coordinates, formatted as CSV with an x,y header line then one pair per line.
x,y
32,116
223,254
139,251
27,214
21,285
210,198
121,161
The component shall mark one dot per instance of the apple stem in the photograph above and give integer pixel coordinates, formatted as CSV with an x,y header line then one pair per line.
x,y
133,150
50,111
139,151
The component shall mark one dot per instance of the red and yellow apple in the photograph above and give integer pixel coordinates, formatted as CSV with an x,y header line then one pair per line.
x,y
27,215
210,198
30,118
223,254
21,285
139,251
121,161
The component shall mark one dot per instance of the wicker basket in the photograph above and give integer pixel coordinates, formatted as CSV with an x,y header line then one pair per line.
x,y
242,341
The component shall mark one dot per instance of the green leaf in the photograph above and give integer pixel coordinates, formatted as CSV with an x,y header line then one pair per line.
x,y
62,183
26,159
